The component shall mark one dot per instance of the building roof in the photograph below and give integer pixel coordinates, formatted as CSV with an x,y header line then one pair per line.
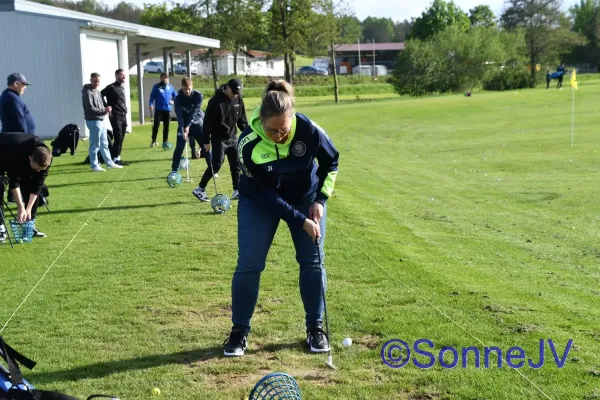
x,y
153,40
369,47
218,52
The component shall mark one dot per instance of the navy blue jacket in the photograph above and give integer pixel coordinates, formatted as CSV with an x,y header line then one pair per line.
x,y
14,114
189,108
280,177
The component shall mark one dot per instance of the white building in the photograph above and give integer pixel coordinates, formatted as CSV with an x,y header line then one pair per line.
x,y
58,49
264,64
251,63
224,62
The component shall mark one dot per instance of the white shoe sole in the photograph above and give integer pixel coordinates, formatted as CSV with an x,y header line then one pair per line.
x,y
238,354
313,350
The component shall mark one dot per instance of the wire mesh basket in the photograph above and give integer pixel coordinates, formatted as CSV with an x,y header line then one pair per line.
x,y
220,203
276,386
174,179
23,233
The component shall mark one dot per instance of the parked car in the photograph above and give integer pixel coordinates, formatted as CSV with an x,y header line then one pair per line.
x,y
308,70
154,67
181,69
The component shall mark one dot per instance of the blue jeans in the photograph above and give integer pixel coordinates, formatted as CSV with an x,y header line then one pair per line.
x,y
98,141
194,134
256,229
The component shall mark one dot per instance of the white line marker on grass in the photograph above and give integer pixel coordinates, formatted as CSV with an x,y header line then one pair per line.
x,y
62,252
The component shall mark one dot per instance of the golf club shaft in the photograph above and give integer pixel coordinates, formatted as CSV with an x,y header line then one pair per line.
x,y
187,159
324,299
213,175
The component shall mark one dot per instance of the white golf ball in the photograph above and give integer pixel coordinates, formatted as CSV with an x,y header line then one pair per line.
x,y
347,342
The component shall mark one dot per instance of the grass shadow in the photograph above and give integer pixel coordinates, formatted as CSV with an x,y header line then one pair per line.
x,y
116,208
53,186
103,369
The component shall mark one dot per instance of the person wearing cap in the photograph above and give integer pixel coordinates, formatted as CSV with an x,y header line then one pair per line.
x,y
162,97
14,114
225,111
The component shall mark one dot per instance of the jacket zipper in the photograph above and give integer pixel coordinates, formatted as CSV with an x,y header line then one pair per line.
x,y
277,151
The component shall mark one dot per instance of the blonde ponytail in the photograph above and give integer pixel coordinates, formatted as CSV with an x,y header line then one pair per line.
x,y
278,100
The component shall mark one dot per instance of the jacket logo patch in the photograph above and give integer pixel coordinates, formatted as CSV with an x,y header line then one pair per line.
x,y
265,156
270,168
299,149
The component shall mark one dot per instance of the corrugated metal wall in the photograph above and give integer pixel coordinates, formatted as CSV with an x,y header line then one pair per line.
x,y
47,51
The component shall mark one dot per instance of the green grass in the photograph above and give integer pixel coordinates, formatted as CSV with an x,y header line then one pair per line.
x,y
252,102
461,220
302,61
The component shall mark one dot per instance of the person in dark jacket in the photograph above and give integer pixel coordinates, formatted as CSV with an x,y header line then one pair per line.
x,y
289,167
116,99
162,97
14,114
95,112
188,107
225,111
26,160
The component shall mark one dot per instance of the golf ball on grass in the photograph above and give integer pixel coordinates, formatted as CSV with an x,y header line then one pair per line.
x,y
155,392
347,342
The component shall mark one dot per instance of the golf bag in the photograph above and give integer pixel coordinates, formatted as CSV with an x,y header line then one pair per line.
x,y
110,137
67,139
14,387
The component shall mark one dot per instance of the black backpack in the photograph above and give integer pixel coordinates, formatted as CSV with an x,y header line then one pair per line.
x,y
14,387
67,138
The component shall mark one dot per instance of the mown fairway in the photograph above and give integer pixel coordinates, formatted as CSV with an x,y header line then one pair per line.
x,y
465,221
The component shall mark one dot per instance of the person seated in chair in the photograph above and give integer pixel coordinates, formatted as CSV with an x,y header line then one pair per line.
x,y
26,160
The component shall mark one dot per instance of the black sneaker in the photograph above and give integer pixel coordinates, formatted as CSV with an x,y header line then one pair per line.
x,y
122,163
39,234
317,340
235,344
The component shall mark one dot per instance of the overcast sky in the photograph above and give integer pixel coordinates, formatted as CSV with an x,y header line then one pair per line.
x,y
390,8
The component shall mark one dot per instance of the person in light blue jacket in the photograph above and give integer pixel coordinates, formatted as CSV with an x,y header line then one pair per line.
x,y
162,98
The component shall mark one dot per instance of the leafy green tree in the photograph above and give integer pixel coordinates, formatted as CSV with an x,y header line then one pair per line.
x,y
439,16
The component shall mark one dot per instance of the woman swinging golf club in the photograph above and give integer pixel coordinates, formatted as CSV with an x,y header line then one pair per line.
x,y
280,179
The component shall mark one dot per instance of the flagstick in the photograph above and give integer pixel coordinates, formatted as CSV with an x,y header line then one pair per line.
x,y
573,118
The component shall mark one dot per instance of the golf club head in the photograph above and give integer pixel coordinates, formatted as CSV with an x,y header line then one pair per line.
x,y
220,203
329,362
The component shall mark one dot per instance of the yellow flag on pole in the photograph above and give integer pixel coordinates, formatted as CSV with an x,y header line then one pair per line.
x,y
574,79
